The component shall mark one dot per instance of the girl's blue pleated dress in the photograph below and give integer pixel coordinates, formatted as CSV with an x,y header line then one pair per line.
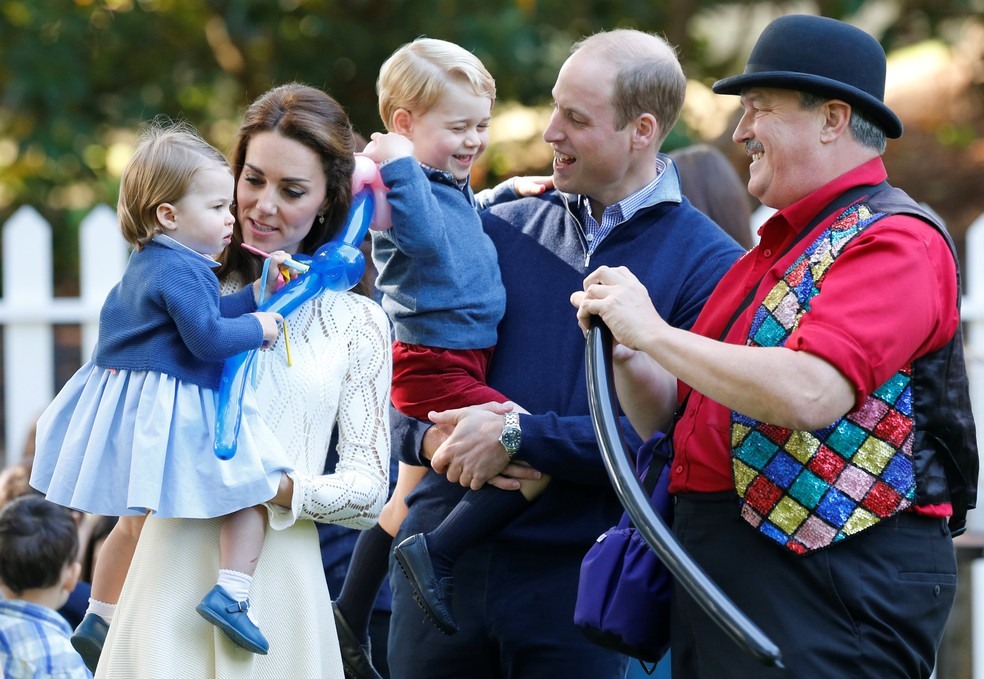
x,y
119,442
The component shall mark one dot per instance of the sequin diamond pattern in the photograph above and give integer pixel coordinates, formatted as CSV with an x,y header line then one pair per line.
x,y
809,489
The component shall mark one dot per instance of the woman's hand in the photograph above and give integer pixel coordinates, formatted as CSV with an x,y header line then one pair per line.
x,y
278,274
285,492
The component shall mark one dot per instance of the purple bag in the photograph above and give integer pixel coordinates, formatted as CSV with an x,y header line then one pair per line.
x,y
623,595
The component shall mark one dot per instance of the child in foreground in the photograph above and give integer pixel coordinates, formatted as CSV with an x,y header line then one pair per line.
x,y
438,273
39,567
131,431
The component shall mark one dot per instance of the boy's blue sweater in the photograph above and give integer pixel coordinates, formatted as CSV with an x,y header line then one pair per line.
x,y
436,267
678,254
166,315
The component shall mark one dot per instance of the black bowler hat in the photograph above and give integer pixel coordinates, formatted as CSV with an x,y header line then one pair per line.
x,y
821,56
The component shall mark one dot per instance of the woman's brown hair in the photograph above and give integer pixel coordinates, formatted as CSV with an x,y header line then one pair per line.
x,y
313,118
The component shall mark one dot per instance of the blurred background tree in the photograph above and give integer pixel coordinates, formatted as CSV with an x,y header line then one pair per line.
x,y
77,77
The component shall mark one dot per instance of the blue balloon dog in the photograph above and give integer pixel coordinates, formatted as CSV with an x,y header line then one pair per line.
x,y
337,265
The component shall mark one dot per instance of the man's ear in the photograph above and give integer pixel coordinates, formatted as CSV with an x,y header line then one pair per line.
x,y
645,131
166,216
402,122
836,119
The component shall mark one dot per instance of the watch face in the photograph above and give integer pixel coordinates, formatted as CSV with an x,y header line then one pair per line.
x,y
510,439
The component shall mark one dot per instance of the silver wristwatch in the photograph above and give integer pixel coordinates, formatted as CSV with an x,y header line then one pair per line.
x,y
511,435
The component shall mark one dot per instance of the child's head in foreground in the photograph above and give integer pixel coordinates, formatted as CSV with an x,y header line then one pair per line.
x,y
39,544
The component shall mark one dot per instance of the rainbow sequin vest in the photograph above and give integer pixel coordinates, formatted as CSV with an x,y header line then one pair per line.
x,y
809,489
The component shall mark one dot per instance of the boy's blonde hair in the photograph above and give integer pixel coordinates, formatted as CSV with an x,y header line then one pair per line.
x,y
161,169
416,75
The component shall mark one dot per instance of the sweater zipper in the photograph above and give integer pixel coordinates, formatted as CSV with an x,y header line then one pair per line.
x,y
584,236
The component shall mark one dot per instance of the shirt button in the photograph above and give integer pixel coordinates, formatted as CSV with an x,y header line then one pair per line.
x,y
679,469
590,237
766,253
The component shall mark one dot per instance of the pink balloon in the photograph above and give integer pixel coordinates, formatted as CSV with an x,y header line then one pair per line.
x,y
367,175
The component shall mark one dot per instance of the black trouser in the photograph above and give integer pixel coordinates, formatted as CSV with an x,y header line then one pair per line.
x,y
515,609
874,605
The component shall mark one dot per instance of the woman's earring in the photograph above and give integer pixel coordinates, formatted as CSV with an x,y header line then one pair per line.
x,y
321,218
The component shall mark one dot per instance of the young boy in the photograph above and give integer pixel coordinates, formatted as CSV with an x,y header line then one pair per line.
x,y
39,543
439,276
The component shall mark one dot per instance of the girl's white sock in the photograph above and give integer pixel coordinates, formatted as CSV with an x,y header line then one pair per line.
x,y
235,583
102,609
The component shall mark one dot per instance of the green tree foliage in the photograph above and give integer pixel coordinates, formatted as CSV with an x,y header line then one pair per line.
x,y
77,77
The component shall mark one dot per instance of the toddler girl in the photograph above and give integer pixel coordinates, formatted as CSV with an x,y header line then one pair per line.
x,y
131,431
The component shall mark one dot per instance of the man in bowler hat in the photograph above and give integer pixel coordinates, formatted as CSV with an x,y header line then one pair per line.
x,y
826,453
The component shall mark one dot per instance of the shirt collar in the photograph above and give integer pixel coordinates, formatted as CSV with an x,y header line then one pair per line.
x,y
169,242
664,188
805,209
444,174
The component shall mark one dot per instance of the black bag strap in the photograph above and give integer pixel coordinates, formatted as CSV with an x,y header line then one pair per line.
x,y
663,454
655,468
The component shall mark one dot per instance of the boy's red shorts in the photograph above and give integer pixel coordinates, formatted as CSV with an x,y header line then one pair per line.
x,y
432,378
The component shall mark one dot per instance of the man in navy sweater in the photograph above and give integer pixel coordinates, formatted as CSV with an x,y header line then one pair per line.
x,y
617,202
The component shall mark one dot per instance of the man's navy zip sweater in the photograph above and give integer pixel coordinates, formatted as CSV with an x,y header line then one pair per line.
x,y
677,253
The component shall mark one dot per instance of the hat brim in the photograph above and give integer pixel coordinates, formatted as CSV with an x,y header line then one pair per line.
x,y
814,84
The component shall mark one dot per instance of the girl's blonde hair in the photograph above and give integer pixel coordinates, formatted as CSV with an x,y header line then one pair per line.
x,y
161,169
417,74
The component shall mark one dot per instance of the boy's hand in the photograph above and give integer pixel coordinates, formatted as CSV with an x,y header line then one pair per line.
x,y
270,321
388,146
532,186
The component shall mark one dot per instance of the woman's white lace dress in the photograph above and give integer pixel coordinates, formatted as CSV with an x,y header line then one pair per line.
x,y
340,350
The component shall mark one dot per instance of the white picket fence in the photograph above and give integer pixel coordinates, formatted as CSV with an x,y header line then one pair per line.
x,y
29,311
